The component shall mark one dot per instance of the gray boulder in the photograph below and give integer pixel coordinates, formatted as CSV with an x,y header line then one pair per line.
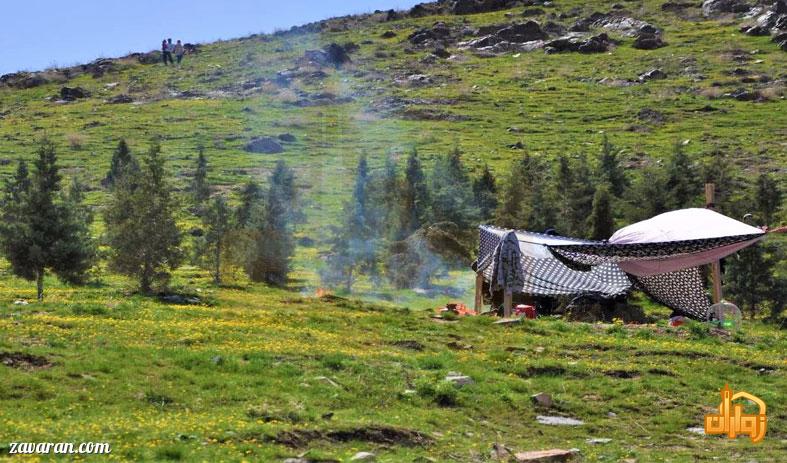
x,y
264,145
716,8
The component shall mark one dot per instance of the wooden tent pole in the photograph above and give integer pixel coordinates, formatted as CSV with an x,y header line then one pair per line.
x,y
710,203
479,292
507,303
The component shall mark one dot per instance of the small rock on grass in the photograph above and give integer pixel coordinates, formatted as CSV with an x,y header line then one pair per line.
x,y
559,420
459,379
542,399
599,440
364,456
547,456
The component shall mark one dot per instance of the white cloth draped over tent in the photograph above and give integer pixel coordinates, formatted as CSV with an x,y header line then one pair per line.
x,y
661,256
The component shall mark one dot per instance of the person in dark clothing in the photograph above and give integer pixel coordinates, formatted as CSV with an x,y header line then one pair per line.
x,y
166,52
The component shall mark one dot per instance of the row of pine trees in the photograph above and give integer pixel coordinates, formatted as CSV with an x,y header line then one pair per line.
x,y
45,228
404,224
410,227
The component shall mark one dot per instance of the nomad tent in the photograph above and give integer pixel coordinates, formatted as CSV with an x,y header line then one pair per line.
x,y
661,256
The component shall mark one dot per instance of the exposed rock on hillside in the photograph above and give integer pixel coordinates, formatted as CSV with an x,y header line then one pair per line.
x,y
480,6
120,99
767,21
23,80
265,145
579,43
716,8
73,93
332,55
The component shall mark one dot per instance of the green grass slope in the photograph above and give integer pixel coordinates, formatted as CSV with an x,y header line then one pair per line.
x,y
262,375
257,374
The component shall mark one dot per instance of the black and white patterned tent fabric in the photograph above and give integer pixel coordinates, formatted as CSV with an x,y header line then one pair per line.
x,y
521,262
546,265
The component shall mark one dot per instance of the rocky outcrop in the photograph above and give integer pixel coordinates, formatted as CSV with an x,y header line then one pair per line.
x,y
579,43
23,80
462,7
264,145
772,20
438,33
653,74
503,38
520,33
120,99
648,38
716,8
73,93
331,55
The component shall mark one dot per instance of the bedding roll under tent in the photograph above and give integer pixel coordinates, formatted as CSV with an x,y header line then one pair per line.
x,y
661,256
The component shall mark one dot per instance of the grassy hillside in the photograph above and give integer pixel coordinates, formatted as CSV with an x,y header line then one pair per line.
x,y
259,374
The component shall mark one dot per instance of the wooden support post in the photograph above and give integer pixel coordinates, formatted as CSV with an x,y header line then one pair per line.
x,y
507,303
479,292
710,203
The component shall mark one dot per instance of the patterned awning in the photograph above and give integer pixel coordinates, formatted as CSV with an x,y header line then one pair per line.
x,y
650,255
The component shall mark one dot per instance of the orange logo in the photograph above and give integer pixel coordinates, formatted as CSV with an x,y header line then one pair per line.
x,y
732,421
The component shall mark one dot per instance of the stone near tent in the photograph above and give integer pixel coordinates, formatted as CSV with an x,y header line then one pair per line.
x,y
542,399
264,145
547,456
559,421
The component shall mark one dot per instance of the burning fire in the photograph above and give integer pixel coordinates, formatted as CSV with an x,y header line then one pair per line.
x,y
322,292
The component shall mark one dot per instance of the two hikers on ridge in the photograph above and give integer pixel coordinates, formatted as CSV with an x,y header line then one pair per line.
x,y
168,48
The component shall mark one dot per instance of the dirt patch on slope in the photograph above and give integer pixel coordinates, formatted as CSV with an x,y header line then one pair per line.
x,y
24,361
299,438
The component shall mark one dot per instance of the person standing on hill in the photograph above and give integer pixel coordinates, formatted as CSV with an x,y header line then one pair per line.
x,y
179,51
166,52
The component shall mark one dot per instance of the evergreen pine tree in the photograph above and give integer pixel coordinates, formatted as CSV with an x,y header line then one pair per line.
x,y
122,161
767,199
601,222
514,209
610,170
649,195
213,245
683,184
354,245
42,229
485,191
385,196
451,193
274,245
141,228
580,198
751,281
751,274
249,197
414,196
200,189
